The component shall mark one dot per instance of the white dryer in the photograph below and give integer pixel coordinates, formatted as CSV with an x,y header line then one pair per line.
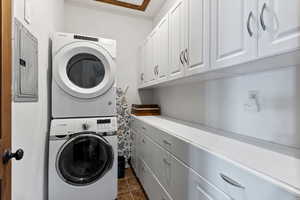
x,y
83,76
83,159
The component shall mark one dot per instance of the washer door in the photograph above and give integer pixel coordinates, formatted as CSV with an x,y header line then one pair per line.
x,y
84,70
84,159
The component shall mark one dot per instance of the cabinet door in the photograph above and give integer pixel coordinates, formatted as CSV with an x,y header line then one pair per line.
x,y
149,65
141,71
188,185
156,51
197,53
163,61
232,41
177,39
280,26
133,151
164,167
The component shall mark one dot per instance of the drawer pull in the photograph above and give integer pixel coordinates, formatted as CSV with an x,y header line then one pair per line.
x,y
166,142
166,162
231,182
143,141
144,128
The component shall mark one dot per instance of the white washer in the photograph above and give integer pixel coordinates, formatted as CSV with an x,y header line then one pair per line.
x,y
83,76
83,159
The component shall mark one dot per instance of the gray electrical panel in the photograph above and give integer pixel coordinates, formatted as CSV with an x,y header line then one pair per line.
x,y
25,71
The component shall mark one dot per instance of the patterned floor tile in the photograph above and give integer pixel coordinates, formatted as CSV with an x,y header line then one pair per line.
x,y
129,187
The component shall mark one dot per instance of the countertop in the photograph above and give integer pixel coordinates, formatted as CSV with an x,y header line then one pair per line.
x,y
280,169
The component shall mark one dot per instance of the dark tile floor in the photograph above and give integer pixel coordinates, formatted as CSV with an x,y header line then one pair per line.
x,y
129,188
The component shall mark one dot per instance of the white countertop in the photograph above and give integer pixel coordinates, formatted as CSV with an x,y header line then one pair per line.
x,y
280,169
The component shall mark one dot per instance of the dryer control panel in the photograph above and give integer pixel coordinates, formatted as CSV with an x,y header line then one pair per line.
x,y
71,126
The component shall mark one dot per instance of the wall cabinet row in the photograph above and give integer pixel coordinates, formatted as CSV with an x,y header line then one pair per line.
x,y
201,35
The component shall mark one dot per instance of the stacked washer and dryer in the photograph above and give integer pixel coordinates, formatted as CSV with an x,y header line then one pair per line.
x,y
83,141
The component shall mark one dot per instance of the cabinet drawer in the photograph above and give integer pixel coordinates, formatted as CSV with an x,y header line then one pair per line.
x,y
164,167
136,125
188,185
231,178
152,186
160,137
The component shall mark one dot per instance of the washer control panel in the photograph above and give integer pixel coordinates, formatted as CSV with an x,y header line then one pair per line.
x,y
71,126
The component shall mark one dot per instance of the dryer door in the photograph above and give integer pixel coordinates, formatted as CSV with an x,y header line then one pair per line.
x,y
84,69
84,159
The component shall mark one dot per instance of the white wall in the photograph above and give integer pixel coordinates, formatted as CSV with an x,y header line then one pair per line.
x,y
129,32
220,104
30,120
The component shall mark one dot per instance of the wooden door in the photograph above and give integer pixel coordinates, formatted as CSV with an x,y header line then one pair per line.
x,y
280,26
233,31
5,86
177,36
197,53
5,101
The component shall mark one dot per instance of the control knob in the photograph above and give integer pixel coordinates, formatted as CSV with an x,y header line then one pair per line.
x,y
85,126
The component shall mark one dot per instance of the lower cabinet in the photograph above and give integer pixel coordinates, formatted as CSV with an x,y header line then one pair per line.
x,y
152,186
187,184
183,171
166,178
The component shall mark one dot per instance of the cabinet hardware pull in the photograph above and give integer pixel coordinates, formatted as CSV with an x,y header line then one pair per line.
x,y
248,24
142,76
166,142
143,128
157,71
166,162
143,141
231,182
262,20
181,58
186,57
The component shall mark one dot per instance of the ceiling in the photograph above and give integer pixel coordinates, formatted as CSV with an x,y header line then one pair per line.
x,y
150,12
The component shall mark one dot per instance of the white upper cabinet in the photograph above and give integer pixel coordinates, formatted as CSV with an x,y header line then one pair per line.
x,y
199,36
197,54
280,26
163,55
177,36
156,51
141,71
233,32
149,65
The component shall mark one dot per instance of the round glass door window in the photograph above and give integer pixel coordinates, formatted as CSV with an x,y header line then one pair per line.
x,y
85,70
84,159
